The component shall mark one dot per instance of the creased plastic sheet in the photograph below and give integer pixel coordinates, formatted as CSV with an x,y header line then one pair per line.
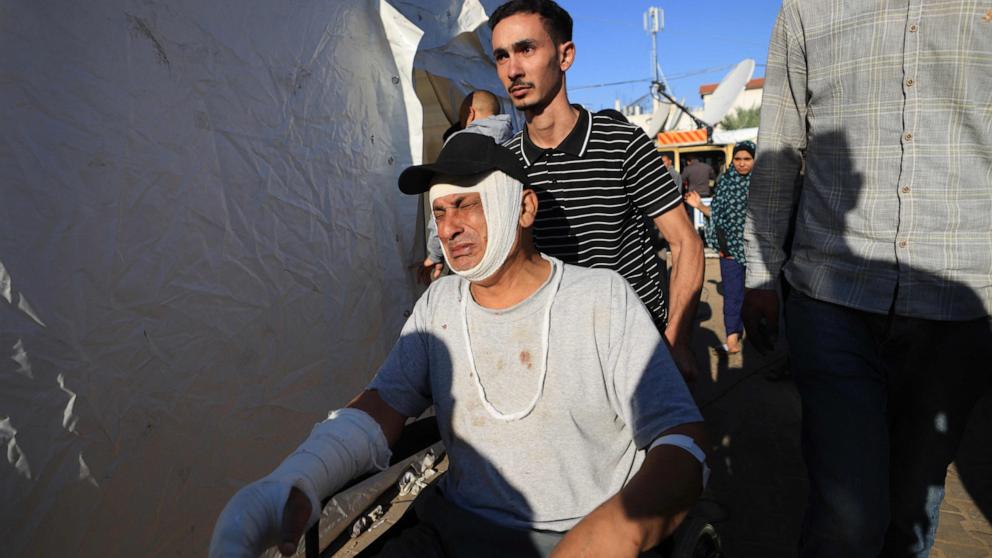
x,y
202,248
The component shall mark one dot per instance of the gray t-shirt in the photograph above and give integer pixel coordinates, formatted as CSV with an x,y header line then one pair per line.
x,y
611,388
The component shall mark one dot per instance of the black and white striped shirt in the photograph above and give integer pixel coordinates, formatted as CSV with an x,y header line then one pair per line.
x,y
594,190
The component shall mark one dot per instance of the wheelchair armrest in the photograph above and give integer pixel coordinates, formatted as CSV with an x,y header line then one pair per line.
x,y
417,436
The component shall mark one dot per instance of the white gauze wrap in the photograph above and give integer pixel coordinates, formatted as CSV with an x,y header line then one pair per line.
x,y
501,198
347,444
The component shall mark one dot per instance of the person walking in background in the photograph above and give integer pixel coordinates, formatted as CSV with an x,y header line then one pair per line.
x,y
596,177
479,113
666,160
886,107
725,233
697,176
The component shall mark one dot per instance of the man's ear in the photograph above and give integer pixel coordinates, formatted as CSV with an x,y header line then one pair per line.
x,y
528,208
566,55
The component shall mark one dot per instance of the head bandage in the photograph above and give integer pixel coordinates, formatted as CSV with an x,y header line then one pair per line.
x,y
501,199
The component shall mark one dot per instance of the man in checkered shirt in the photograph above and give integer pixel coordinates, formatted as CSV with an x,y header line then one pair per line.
x,y
876,144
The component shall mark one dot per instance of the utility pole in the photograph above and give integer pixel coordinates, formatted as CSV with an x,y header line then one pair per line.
x,y
654,21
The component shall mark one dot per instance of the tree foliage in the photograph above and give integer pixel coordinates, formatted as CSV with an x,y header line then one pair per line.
x,y
742,118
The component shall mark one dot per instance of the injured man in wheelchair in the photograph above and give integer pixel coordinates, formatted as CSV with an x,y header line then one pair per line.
x,y
568,428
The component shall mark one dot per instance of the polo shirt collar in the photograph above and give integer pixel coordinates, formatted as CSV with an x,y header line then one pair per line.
x,y
575,143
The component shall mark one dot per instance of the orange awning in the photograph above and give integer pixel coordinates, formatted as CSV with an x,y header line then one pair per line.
x,y
681,137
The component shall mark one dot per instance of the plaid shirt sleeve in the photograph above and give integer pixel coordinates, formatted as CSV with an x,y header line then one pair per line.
x,y
781,145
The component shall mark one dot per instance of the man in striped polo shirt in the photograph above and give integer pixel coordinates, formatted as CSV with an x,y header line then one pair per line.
x,y
595,177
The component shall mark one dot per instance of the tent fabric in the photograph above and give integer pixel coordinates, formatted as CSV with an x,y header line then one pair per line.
x,y
202,246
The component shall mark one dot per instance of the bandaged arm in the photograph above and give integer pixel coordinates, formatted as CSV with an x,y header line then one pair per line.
x,y
349,443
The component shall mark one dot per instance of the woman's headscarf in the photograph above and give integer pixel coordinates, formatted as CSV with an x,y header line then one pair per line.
x,y
746,145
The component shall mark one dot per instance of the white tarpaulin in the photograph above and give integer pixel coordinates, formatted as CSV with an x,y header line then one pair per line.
x,y
202,247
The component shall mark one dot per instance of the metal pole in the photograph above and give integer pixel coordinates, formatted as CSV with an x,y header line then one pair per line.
x,y
654,54
652,24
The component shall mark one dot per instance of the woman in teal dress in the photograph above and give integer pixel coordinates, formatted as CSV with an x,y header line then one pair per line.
x,y
725,233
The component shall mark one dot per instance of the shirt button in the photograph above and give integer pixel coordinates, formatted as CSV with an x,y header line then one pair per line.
x,y
905,189
908,136
913,28
902,243
910,82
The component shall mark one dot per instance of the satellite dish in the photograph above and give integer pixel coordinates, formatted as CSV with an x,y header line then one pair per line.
x,y
719,104
666,116
727,91
658,120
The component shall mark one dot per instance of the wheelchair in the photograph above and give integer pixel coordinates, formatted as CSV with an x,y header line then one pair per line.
x,y
355,522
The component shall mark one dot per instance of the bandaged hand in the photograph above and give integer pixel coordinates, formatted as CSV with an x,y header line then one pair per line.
x,y
251,521
342,447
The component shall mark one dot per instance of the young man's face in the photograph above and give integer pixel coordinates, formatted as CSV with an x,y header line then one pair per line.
x,y
461,226
528,63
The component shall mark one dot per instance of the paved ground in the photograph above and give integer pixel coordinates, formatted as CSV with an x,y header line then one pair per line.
x,y
758,481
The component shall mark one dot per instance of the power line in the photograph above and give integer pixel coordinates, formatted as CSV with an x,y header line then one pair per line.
x,y
597,21
671,77
609,84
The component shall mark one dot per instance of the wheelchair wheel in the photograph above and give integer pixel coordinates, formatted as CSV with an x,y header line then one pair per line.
x,y
695,538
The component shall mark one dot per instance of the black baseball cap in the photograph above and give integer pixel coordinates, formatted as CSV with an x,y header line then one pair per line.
x,y
464,154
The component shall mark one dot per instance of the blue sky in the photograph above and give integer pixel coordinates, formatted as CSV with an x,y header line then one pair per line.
x,y
612,46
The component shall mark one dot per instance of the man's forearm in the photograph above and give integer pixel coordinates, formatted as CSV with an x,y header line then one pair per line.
x,y
643,513
684,286
655,506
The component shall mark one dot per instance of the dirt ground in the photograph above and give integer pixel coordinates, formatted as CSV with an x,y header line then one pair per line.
x,y
758,486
